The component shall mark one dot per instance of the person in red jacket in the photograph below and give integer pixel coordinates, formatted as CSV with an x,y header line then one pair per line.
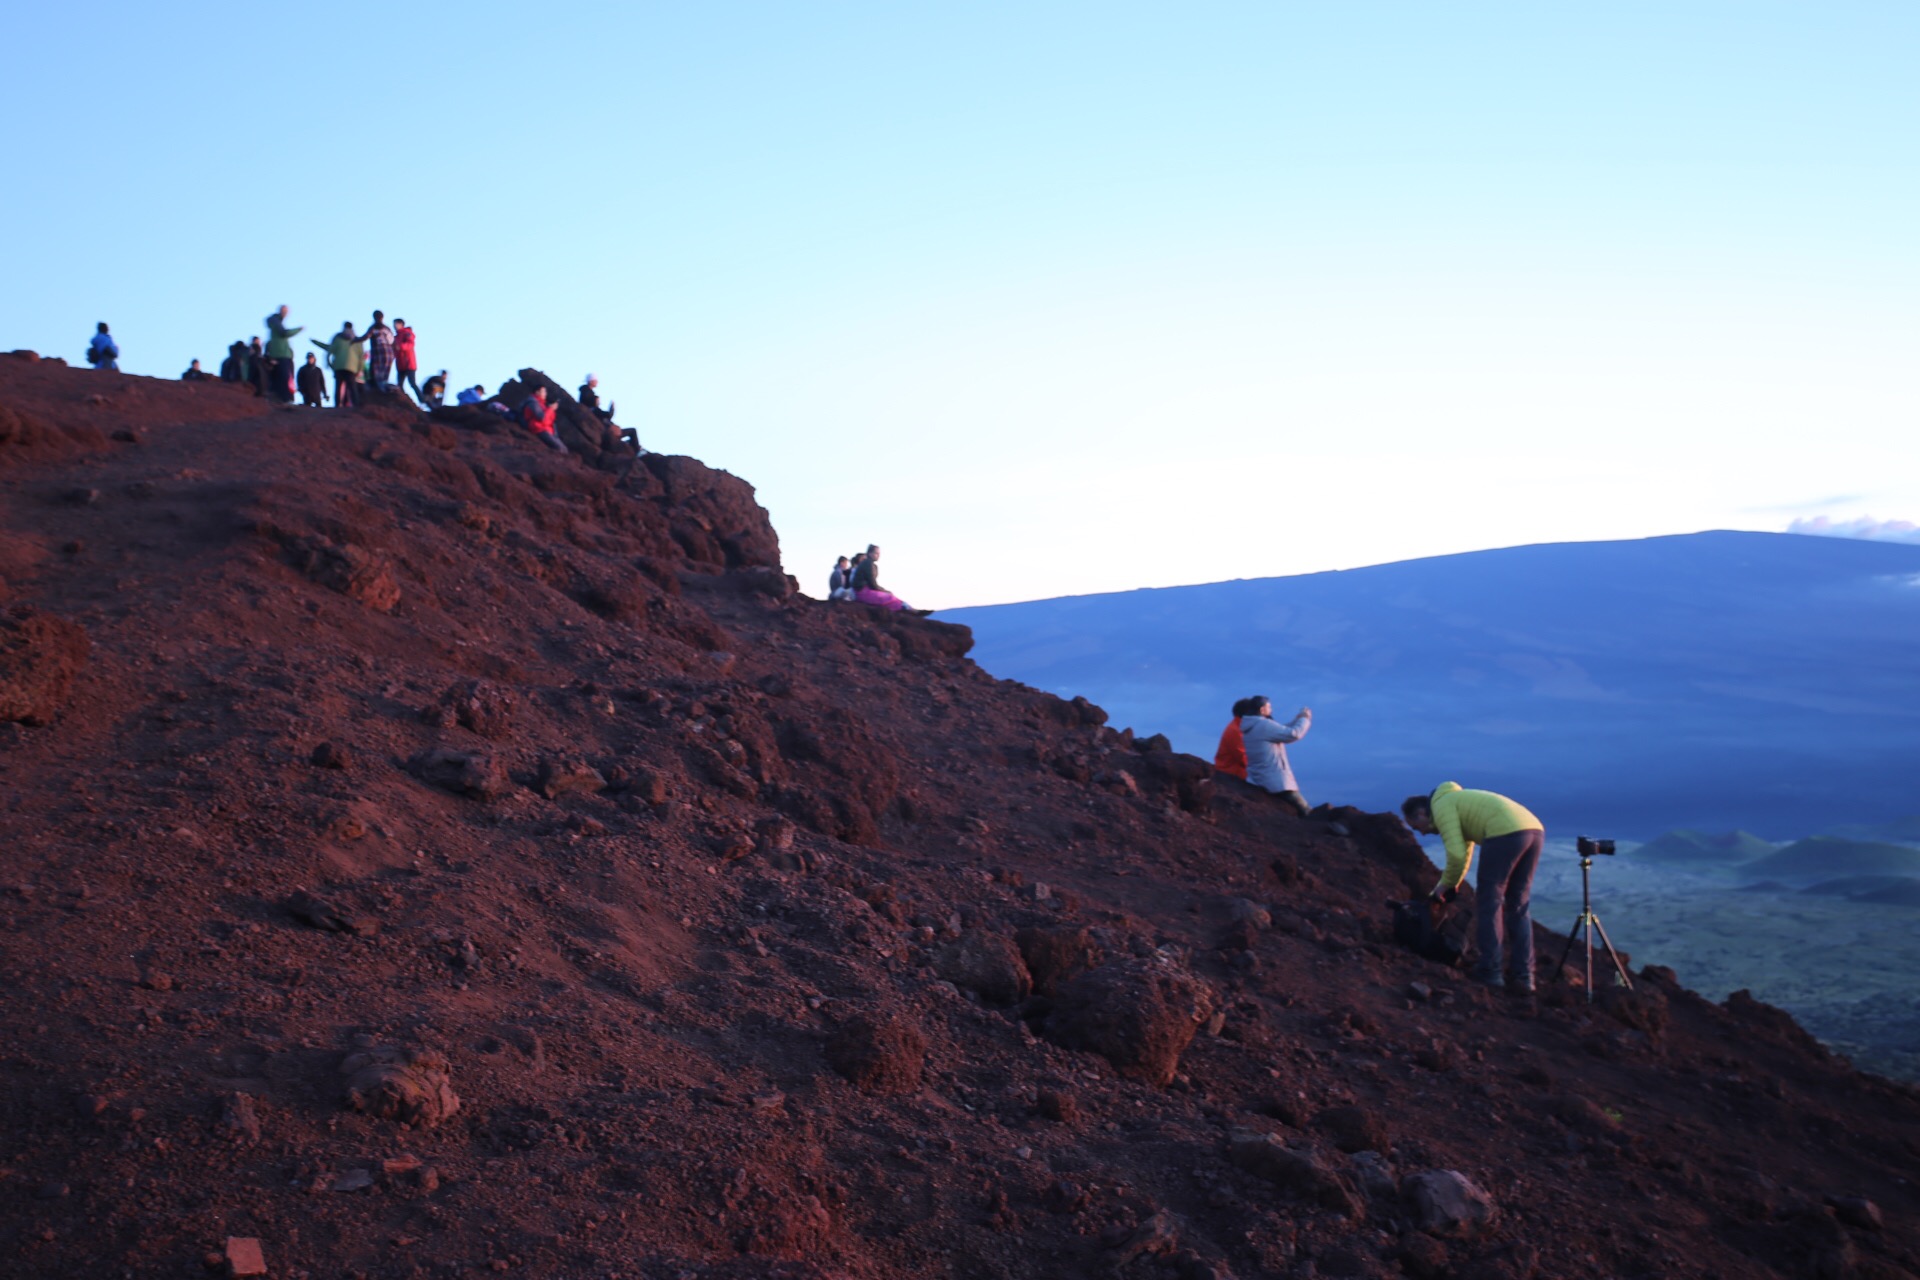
x,y
405,363
537,416
1231,756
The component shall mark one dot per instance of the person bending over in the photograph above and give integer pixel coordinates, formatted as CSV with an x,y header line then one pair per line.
x,y
1267,739
1509,839
434,392
1230,757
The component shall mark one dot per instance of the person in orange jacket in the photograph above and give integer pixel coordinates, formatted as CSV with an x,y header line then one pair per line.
x,y
537,416
1231,756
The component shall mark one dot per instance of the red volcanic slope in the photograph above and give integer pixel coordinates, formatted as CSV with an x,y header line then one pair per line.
x,y
440,857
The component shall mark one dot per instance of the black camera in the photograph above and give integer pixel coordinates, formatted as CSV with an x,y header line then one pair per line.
x,y
1590,847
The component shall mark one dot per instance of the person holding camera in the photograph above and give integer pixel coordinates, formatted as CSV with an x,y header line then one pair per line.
x,y
1266,742
1509,839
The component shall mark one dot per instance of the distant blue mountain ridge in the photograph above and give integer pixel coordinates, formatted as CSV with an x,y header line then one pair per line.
x,y
1720,681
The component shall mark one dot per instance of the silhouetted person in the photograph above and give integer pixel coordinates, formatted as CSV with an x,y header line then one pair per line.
x,y
1510,839
537,416
1266,739
379,340
279,355
234,367
344,357
256,367
313,383
194,373
404,359
589,398
103,352
435,393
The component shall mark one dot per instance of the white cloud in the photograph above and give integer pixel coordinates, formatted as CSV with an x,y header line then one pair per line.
x,y
1859,527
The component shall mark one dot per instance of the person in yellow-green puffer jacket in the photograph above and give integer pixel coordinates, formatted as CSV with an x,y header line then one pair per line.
x,y
1509,839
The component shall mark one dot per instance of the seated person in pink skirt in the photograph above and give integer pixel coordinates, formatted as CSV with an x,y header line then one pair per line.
x,y
867,589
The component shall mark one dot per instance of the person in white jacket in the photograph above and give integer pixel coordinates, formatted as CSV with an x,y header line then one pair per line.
x,y
1266,740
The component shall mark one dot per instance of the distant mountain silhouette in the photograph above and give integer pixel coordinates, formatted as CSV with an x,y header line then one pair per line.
x,y
1830,857
1683,845
1901,830
1713,680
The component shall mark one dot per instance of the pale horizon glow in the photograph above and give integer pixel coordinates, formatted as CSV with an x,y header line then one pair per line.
x,y
1053,299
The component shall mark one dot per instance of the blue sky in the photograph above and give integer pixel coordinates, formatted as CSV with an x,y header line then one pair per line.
x,y
1050,298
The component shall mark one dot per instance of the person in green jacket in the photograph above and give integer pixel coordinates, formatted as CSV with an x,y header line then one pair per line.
x,y
345,356
280,355
1509,839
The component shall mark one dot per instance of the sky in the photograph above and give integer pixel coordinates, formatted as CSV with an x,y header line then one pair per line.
x,y
1050,298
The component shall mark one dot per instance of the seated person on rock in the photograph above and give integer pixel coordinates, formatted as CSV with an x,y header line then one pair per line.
x,y
434,393
867,589
589,399
474,395
194,373
537,416
840,581
1230,757
1266,741
1509,839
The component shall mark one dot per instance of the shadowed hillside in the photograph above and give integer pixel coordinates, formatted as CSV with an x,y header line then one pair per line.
x,y
423,855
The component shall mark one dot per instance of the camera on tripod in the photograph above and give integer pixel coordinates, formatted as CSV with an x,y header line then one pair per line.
x,y
1589,847
1589,921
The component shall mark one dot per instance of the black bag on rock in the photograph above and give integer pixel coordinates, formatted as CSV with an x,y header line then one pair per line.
x,y
1436,932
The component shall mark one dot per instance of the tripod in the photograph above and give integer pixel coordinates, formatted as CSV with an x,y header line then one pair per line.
x,y
1590,921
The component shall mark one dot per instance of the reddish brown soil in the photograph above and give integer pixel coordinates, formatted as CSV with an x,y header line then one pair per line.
x,y
451,859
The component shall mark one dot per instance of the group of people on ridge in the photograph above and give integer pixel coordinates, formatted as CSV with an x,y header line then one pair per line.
x,y
384,357
857,578
1506,835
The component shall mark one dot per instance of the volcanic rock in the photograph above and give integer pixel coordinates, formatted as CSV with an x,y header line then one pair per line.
x,y
1447,1203
1140,1014
878,1053
468,773
1298,1172
39,657
987,964
412,1087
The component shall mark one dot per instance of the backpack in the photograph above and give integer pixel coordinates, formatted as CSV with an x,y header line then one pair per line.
x,y
1433,931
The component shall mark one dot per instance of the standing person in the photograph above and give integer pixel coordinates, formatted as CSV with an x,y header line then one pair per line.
x,y
194,373
537,416
103,352
1510,839
256,366
344,357
404,359
435,393
380,338
280,355
313,383
234,367
1230,757
1266,741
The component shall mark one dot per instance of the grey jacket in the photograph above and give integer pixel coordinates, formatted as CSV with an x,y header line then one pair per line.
x,y
1266,738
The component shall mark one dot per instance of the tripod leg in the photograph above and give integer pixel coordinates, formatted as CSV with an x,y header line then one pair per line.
x,y
1572,935
1613,955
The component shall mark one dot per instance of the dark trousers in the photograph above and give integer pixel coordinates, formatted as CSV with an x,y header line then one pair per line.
x,y
406,379
346,391
1503,899
280,377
